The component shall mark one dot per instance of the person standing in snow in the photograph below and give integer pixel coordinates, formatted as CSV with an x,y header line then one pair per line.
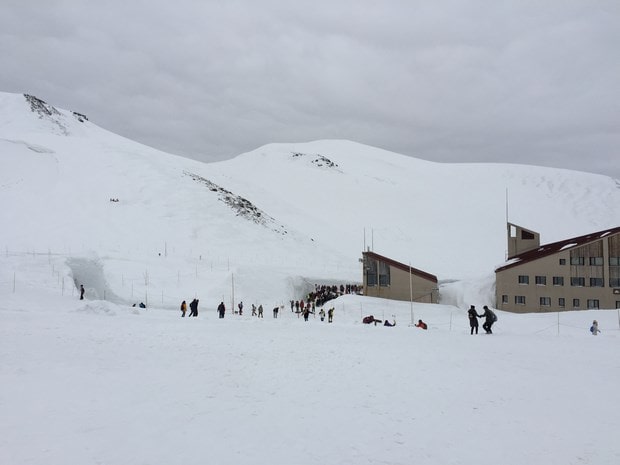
x,y
322,314
253,310
81,291
594,328
275,312
330,315
240,308
193,308
260,311
473,319
183,308
489,319
221,309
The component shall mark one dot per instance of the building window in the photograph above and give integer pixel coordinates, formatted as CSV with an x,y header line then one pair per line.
x,y
558,280
545,301
562,261
614,282
596,261
541,280
526,235
593,303
520,299
561,302
617,303
371,273
614,261
596,282
577,281
384,274
524,279
577,261
576,303
504,299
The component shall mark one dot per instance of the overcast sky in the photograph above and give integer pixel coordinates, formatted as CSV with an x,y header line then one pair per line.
x,y
535,82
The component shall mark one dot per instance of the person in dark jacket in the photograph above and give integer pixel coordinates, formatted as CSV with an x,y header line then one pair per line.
x,y
193,308
81,291
387,323
473,319
489,319
221,309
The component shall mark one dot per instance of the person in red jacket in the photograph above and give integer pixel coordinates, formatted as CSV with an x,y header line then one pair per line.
x,y
421,325
371,319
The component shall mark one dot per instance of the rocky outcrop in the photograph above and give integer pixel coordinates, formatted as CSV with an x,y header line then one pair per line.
x,y
47,112
316,159
243,207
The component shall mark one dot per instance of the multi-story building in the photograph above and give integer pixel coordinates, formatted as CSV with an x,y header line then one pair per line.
x,y
573,274
389,279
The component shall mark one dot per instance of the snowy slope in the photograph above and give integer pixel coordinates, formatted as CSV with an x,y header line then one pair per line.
x,y
315,205
101,382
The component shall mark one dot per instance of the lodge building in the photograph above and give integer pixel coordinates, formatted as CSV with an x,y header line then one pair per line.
x,y
389,279
574,274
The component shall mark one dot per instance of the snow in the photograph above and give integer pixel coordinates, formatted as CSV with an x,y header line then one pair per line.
x,y
99,381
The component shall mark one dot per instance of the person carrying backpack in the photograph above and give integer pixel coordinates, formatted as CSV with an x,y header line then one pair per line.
x,y
490,318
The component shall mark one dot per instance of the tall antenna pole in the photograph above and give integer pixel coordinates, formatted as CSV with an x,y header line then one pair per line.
x,y
364,249
411,291
506,205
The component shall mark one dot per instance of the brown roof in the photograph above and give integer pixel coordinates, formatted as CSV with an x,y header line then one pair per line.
x,y
550,249
402,266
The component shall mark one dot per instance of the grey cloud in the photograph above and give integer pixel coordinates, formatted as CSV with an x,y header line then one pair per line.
x,y
447,81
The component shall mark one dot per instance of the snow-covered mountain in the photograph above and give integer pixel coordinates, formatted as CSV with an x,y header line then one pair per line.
x,y
97,381
270,222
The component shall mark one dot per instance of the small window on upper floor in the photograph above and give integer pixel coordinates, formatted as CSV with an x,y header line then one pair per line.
x,y
596,261
526,235
562,261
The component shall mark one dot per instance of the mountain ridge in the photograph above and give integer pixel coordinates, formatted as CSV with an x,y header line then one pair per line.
x,y
316,205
